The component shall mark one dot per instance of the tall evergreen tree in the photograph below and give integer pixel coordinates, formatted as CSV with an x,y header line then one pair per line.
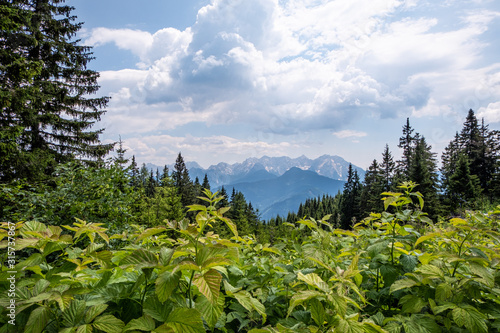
x,y
374,184
206,183
120,154
350,204
182,182
424,172
49,104
134,173
407,144
387,169
464,187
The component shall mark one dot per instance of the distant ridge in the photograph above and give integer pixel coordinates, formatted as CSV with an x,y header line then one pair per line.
x,y
276,185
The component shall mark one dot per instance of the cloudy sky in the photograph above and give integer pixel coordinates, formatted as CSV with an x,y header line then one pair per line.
x,y
223,80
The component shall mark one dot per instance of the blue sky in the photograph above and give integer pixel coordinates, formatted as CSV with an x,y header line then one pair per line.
x,y
224,80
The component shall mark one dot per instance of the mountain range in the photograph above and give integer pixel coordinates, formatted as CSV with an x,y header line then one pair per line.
x,y
276,185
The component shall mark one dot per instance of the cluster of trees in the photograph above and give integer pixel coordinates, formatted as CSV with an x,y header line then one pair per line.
x,y
469,177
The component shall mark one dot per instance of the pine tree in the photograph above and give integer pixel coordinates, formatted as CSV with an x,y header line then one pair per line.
x,y
374,184
182,182
463,186
120,152
165,179
206,183
407,144
387,169
50,100
134,173
350,205
424,172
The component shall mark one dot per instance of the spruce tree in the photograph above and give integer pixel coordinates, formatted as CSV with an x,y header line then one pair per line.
x,y
407,144
350,204
424,172
387,169
48,106
374,184
206,183
182,182
464,187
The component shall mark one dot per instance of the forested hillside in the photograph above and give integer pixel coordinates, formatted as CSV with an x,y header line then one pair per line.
x,y
92,242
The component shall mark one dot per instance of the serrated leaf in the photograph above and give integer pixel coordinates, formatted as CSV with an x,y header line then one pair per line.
x,y
431,271
166,283
412,304
209,285
302,296
37,320
250,303
471,318
166,255
141,258
444,291
156,309
402,284
109,324
182,320
209,311
339,303
314,280
94,311
426,237
349,326
317,311
151,232
74,314
84,329
144,323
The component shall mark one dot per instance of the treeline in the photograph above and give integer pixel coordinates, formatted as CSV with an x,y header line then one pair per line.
x,y
469,177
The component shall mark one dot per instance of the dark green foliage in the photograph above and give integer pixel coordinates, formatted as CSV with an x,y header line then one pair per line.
x,y
374,183
424,172
350,204
101,195
182,181
47,115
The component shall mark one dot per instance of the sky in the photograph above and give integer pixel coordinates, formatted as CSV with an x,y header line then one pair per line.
x,y
224,80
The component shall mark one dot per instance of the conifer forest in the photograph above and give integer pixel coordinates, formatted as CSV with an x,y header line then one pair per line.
x,y
91,241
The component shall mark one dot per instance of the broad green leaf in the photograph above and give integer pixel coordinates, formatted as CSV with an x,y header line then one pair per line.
x,y
166,283
272,250
349,326
156,309
339,303
314,280
144,323
109,324
209,285
412,304
182,320
487,277
74,314
302,296
94,311
431,271
166,255
444,291
250,303
372,328
141,259
186,265
317,311
471,318
402,284
209,311
151,232
426,237
312,225
37,320
87,328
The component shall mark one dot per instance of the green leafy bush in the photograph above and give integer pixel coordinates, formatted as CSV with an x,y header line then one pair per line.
x,y
394,272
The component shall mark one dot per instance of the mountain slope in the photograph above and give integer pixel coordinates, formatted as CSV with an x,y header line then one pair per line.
x,y
284,193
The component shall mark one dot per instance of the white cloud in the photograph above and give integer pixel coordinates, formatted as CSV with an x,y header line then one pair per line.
x,y
491,113
349,134
295,66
